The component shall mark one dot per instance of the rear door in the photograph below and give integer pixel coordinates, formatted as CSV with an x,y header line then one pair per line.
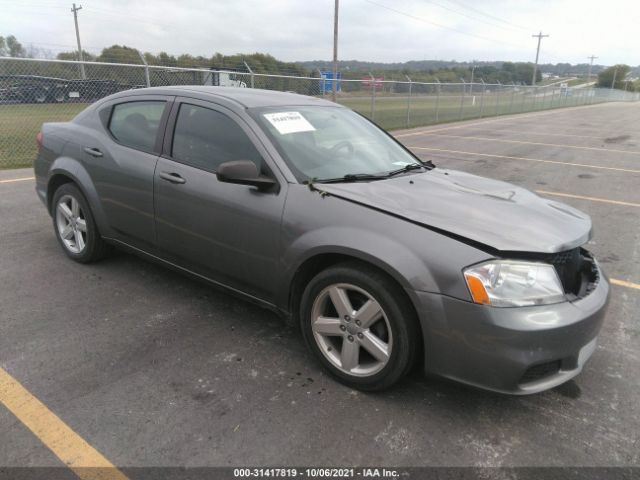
x,y
122,163
229,233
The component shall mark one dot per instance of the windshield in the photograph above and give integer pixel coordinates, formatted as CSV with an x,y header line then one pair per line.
x,y
324,143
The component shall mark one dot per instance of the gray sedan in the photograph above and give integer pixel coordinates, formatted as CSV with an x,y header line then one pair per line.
x,y
308,209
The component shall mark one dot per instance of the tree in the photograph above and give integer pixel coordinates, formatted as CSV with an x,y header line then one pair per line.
x,y
12,47
15,47
119,54
524,72
167,60
74,56
606,77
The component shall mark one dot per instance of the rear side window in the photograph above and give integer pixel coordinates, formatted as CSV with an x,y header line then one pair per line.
x,y
135,124
204,139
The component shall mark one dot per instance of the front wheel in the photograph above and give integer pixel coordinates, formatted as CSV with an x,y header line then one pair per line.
x,y
75,227
360,326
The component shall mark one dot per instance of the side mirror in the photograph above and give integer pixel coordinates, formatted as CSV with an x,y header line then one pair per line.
x,y
243,172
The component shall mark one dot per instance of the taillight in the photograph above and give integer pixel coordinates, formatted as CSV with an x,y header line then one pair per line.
x,y
39,139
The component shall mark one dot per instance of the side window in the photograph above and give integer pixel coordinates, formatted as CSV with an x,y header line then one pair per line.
x,y
135,124
204,138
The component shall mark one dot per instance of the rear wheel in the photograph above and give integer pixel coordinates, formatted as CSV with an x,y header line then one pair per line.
x,y
75,227
359,325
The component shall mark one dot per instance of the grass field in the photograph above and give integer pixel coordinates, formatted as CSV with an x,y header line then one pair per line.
x,y
391,112
19,124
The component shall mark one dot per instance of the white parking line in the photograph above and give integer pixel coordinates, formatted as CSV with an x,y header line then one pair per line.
x,y
505,118
23,179
528,131
503,140
540,160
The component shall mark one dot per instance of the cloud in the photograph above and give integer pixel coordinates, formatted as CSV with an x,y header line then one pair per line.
x,y
380,30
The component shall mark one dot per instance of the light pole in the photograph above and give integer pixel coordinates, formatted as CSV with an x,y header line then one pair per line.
x,y
473,69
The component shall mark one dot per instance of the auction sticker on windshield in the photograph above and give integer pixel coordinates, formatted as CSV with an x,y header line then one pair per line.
x,y
289,122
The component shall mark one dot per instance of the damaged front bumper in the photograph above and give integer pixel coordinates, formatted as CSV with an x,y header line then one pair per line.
x,y
518,350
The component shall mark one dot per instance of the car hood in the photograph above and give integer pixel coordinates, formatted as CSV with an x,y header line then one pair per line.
x,y
496,214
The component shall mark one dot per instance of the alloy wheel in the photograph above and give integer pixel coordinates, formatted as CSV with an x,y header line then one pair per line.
x,y
71,224
351,329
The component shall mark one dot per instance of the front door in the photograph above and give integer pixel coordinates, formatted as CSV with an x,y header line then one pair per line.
x,y
229,233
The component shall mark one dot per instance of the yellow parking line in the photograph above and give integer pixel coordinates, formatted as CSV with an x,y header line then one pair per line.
x,y
502,140
599,167
23,179
593,199
67,445
624,283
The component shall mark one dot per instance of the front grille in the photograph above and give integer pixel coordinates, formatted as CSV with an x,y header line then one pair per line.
x,y
576,270
568,265
538,372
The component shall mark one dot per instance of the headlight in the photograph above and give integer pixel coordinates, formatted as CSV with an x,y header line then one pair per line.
x,y
506,283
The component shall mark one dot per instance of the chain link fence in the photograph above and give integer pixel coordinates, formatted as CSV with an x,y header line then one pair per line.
x,y
35,91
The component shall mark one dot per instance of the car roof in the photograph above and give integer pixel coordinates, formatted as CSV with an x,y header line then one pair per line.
x,y
245,97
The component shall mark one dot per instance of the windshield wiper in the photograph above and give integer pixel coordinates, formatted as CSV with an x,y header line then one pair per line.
x,y
407,168
357,177
352,177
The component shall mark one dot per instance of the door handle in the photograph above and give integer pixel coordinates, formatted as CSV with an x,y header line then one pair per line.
x,y
94,152
172,177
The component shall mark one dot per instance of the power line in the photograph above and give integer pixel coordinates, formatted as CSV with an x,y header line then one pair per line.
x,y
34,9
487,14
421,19
153,22
468,16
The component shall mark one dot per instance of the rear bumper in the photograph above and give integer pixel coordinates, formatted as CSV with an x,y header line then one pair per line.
x,y
520,350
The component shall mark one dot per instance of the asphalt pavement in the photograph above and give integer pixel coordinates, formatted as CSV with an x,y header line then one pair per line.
x,y
152,368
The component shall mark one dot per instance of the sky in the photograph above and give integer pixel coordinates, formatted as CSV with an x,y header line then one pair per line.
x,y
369,30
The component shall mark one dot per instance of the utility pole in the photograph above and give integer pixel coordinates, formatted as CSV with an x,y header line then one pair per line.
x,y
334,84
615,73
540,36
473,69
75,19
592,58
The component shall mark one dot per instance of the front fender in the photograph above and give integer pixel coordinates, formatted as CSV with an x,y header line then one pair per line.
x,y
419,259
385,253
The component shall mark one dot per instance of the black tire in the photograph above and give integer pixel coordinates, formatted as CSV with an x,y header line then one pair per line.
x,y
39,95
399,313
95,248
59,95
